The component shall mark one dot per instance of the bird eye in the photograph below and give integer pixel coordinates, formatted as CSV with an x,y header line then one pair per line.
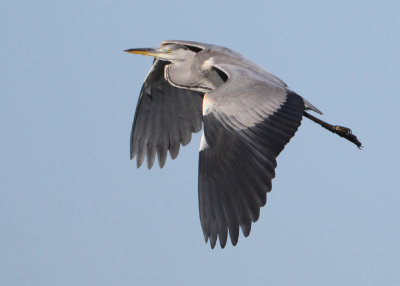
x,y
169,50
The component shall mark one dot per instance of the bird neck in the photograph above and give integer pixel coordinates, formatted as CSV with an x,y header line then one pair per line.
x,y
186,75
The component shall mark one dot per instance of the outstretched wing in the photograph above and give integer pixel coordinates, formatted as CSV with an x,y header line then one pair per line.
x,y
247,122
165,117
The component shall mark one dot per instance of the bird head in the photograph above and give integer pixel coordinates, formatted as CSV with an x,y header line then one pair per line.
x,y
168,52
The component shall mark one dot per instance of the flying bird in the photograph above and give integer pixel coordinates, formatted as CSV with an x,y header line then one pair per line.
x,y
248,114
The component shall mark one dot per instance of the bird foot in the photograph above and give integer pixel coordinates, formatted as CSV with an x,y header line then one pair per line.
x,y
346,133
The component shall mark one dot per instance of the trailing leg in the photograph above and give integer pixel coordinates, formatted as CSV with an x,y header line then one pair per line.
x,y
339,130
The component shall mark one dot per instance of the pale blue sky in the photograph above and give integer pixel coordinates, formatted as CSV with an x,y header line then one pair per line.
x,y
75,211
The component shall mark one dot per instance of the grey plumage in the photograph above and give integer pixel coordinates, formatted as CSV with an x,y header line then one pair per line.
x,y
249,115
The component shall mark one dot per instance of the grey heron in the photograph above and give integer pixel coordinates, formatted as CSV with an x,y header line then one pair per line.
x,y
248,114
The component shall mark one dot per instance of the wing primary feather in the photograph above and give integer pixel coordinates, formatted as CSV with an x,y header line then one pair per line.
x,y
213,233
151,155
246,229
234,234
218,221
162,150
156,127
174,136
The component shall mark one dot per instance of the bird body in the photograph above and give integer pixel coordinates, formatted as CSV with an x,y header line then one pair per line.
x,y
248,114
201,65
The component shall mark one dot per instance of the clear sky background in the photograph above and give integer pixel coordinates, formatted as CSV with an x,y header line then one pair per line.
x,y
74,210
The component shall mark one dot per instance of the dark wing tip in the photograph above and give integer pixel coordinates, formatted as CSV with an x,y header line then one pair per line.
x,y
234,234
246,229
162,157
222,240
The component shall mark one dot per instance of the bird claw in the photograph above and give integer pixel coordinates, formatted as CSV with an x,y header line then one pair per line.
x,y
343,130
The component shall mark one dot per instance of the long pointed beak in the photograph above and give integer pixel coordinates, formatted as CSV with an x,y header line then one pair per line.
x,y
146,52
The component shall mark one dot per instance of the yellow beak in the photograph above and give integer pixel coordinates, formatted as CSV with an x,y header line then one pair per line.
x,y
145,52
